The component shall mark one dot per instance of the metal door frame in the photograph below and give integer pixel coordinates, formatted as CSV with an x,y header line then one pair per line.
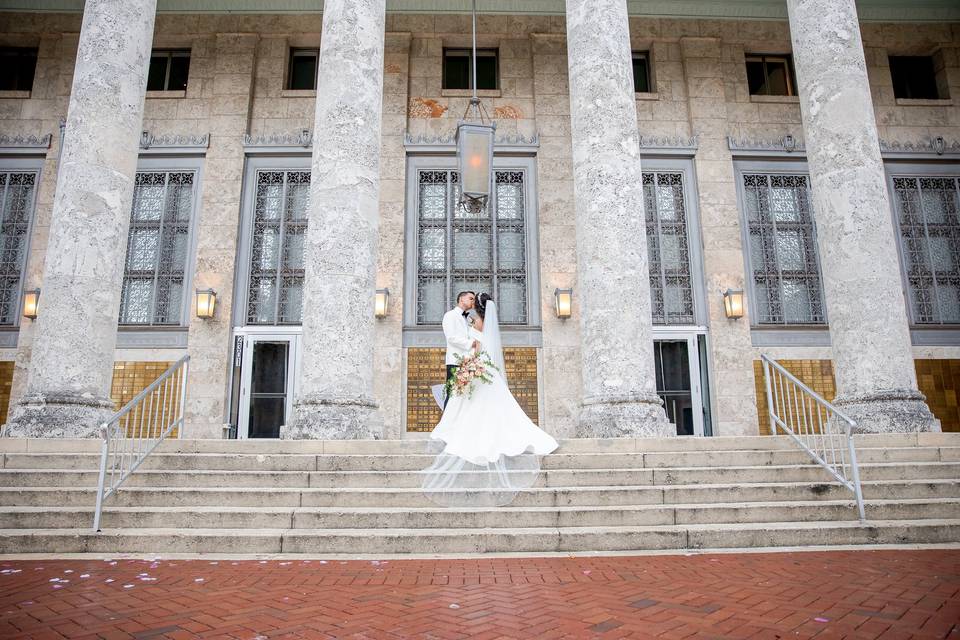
x,y
689,335
252,335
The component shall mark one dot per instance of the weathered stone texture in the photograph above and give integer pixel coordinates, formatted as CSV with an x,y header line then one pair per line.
x,y
71,364
335,398
619,390
876,382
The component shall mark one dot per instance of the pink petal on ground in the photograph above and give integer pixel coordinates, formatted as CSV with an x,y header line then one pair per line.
x,y
821,620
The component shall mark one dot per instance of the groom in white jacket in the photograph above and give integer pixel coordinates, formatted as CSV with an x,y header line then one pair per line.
x,y
457,332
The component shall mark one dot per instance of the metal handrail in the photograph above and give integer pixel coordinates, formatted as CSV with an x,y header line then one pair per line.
x,y
136,430
821,429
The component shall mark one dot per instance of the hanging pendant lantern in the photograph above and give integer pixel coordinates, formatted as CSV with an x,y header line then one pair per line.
x,y
475,139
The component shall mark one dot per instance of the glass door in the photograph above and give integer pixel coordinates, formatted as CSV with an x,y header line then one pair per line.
x,y
677,361
267,374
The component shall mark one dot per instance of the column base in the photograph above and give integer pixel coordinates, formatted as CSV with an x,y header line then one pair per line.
x,y
323,419
61,416
894,411
635,417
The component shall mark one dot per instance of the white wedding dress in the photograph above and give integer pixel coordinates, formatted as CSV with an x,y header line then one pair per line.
x,y
491,448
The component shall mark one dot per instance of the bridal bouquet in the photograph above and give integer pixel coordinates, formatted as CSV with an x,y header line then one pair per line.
x,y
471,369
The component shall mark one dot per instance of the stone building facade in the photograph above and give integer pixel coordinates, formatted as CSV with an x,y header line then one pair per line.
x,y
721,163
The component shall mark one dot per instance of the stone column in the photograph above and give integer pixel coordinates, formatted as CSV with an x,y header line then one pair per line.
x,y
873,363
68,387
335,399
619,390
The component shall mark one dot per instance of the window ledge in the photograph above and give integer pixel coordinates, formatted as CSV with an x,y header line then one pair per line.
x,y
914,102
298,93
646,95
166,94
466,93
13,95
776,99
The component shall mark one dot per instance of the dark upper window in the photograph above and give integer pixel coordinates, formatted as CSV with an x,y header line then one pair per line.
x,y
641,72
169,69
302,70
17,66
914,77
458,71
770,75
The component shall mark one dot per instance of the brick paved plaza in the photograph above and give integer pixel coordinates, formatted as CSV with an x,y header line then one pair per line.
x,y
844,594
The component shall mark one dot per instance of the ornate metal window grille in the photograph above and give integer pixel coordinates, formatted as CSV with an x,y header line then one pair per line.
x,y
458,250
18,189
927,214
275,292
157,247
668,249
783,250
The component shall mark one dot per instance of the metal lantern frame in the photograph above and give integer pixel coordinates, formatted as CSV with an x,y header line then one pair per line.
x,y
475,131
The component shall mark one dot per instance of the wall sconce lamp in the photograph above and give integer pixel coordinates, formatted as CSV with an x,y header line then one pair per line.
x,y
206,303
31,300
564,303
733,303
382,305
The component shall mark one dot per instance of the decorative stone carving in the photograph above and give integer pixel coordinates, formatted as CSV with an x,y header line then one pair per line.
x,y
937,145
500,142
869,333
151,141
335,398
71,367
302,138
619,390
786,143
26,141
669,142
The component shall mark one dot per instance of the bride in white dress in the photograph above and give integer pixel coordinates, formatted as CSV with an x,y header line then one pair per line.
x,y
491,448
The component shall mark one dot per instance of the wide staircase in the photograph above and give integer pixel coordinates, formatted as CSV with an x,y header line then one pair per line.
x,y
363,497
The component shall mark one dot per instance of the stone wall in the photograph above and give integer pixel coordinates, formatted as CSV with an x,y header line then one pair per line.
x,y
237,75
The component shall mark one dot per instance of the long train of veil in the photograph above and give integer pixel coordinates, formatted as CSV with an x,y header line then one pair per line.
x,y
472,479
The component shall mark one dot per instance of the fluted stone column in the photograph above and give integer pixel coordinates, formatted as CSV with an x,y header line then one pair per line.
x,y
71,368
619,387
335,398
873,363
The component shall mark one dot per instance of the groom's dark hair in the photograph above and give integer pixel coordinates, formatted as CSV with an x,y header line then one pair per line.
x,y
464,293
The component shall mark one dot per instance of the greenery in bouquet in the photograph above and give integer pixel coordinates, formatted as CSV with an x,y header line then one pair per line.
x,y
472,369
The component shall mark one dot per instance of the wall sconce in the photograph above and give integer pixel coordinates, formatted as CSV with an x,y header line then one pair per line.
x,y
206,303
31,300
564,303
382,305
733,303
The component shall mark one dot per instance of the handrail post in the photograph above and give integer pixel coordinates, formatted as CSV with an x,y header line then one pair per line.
x,y
855,470
770,409
104,452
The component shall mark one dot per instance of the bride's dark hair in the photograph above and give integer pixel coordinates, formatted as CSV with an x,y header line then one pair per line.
x,y
481,304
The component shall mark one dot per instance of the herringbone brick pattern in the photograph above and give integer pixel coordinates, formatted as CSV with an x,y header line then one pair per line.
x,y
891,595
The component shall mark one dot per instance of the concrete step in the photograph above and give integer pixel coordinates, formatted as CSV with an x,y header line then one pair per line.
x,y
381,447
427,518
72,496
476,540
408,479
416,461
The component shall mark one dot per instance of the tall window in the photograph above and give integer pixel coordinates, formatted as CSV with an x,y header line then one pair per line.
x,y
302,69
458,69
157,248
929,222
17,68
18,189
169,70
770,75
458,250
641,72
783,255
275,294
914,77
671,289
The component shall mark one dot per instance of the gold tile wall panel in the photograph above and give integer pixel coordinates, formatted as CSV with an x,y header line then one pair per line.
x,y
939,380
425,368
129,379
6,383
816,374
